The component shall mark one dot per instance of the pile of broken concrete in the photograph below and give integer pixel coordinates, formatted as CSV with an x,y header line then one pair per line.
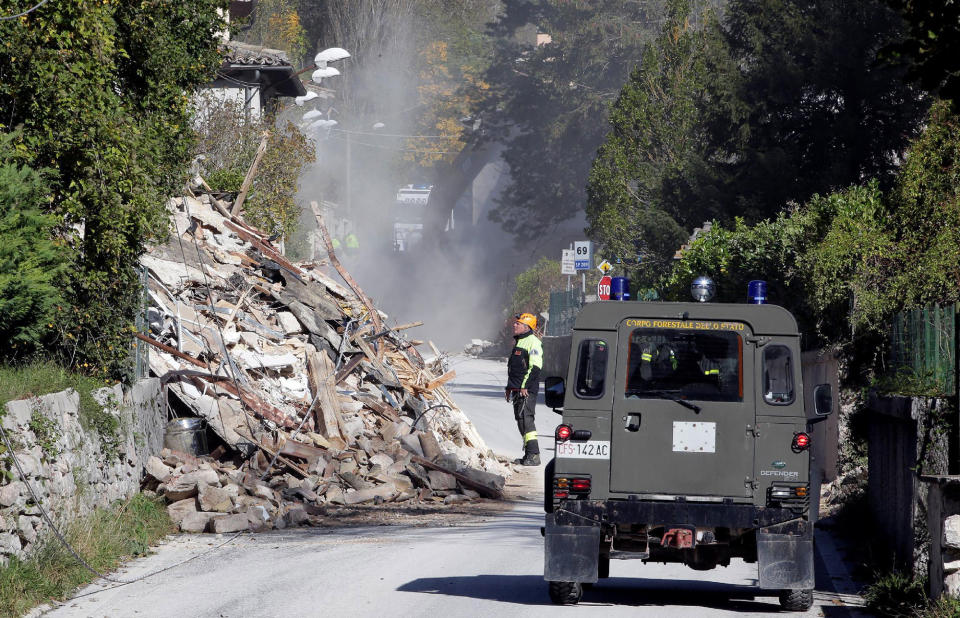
x,y
313,399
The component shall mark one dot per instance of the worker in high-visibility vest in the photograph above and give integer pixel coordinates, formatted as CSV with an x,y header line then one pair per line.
x,y
352,243
523,384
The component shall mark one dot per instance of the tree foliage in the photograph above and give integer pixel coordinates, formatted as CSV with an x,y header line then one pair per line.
x,y
101,92
654,140
33,263
548,102
228,142
932,44
532,287
844,263
276,24
774,103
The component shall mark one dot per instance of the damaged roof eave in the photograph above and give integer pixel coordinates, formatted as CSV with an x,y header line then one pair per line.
x,y
282,80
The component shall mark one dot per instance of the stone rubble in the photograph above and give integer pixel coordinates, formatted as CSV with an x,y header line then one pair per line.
x,y
314,400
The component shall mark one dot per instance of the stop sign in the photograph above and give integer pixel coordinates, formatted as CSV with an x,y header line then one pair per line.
x,y
603,288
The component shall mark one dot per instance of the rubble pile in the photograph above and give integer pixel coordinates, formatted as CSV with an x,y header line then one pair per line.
x,y
315,400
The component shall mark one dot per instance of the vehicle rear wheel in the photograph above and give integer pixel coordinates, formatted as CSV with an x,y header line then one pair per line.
x,y
565,593
796,600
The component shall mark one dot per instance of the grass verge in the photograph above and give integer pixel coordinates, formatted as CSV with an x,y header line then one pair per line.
x,y
104,539
898,595
43,378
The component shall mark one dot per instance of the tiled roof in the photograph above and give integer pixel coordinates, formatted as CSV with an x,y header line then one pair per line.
x,y
253,55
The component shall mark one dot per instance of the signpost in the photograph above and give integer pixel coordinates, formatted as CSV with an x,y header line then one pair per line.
x,y
568,262
605,267
603,287
584,254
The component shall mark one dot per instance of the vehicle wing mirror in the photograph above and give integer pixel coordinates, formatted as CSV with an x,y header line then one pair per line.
x,y
554,390
823,399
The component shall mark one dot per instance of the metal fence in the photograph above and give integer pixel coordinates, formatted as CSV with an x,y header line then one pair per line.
x,y
923,344
564,307
141,351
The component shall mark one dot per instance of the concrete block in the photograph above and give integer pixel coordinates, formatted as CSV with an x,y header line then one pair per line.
x,y
289,324
157,469
213,499
177,491
484,478
382,460
231,523
385,492
207,477
197,522
951,532
440,481
334,495
411,443
180,509
296,516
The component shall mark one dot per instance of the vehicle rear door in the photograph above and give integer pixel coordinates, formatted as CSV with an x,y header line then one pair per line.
x,y
683,411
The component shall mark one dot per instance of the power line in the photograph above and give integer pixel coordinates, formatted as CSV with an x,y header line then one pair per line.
x,y
27,12
396,149
377,133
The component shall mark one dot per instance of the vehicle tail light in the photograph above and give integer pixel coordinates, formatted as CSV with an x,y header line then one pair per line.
x,y
801,442
563,433
566,487
788,495
580,485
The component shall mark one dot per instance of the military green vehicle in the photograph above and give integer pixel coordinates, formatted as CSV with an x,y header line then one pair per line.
x,y
684,439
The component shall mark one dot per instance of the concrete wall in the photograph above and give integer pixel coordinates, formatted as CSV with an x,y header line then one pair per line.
x,y
902,446
73,471
943,521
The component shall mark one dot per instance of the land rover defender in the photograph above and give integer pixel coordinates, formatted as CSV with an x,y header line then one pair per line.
x,y
684,439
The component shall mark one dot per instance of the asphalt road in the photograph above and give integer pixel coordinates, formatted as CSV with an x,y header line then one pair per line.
x,y
491,567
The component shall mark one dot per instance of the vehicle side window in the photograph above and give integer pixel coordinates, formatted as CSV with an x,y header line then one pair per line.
x,y
777,375
591,369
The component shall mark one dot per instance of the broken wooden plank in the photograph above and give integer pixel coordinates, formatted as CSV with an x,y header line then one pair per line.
x,y
484,490
251,174
432,384
320,377
374,316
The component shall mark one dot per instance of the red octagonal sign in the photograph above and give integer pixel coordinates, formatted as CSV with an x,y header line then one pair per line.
x,y
603,288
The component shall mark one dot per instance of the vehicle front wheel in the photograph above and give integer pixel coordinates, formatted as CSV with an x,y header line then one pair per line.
x,y
565,593
796,600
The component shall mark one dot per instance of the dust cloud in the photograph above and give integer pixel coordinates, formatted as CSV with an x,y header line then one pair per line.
x,y
458,281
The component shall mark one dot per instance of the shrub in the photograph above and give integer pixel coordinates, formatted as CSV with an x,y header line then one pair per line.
x,y
33,264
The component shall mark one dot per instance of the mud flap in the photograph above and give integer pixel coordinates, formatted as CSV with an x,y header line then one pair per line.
x,y
785,561
571,553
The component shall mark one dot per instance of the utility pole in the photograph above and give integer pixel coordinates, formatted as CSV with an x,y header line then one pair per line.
x,y
349,197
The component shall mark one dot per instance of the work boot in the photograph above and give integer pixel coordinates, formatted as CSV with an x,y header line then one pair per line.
x,y
530,459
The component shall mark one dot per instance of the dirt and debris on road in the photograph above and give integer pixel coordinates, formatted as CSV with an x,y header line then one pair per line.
x,y
320,409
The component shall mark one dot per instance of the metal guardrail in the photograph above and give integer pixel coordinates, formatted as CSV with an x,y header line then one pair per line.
x,y
923,344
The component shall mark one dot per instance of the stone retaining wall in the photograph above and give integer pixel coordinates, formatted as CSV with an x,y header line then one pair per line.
x,y
72,470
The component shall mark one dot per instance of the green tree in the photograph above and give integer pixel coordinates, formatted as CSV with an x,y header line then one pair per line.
x,y
101,92
532,287
655,140
548,103
33,263
808,105
932,43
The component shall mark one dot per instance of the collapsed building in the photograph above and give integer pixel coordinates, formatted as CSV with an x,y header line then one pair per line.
x,y
311,398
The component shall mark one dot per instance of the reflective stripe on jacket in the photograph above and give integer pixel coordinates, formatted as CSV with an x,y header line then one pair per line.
x,y
525,363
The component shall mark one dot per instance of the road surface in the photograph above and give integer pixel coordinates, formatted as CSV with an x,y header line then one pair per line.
x,y
491,567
